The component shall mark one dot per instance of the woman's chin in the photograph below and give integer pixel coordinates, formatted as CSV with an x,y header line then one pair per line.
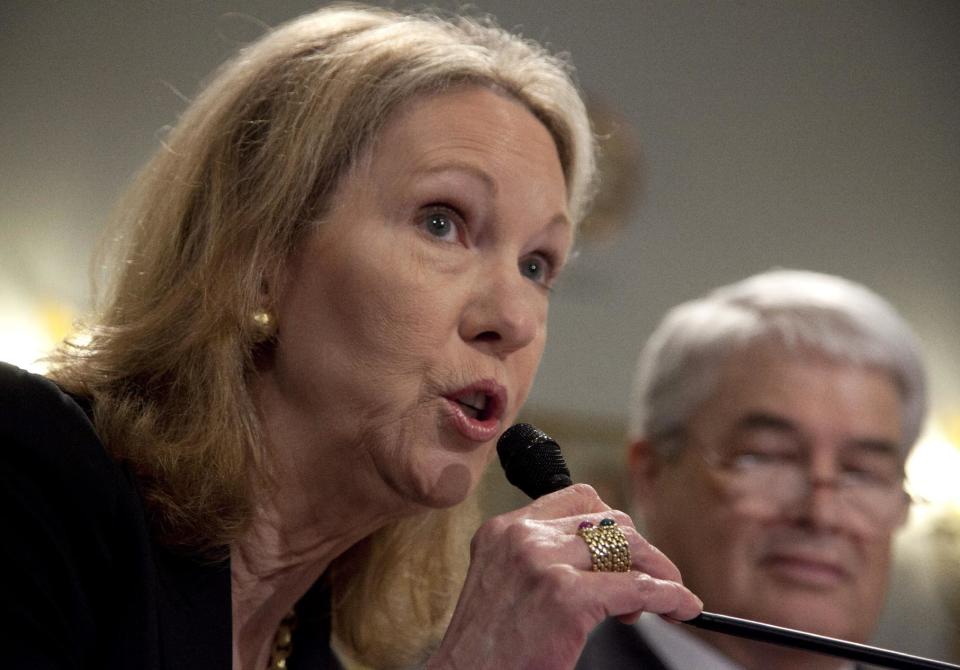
x,y
450,487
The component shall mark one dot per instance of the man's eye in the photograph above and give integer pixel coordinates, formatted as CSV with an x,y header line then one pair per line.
x,y
441,224
761,458
536,267
763,455
872,473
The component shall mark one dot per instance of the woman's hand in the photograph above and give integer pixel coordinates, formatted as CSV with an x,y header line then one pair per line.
x,y
530,597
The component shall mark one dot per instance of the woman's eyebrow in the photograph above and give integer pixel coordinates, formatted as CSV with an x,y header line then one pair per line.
x,y
489,183
458,166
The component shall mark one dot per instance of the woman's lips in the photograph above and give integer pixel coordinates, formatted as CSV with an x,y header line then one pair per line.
x,y
476,410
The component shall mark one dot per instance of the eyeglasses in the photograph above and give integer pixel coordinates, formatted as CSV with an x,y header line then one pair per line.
x,y
775,471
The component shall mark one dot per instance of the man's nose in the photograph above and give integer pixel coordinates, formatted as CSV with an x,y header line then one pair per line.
x,y
821,504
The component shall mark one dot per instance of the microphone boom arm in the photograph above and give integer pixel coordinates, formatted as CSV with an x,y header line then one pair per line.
x,y
788,637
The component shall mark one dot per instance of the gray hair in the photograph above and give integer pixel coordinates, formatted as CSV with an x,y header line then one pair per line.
x,y
801,311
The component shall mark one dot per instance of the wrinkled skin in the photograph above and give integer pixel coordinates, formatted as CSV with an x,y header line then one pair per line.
x,y
431,273
530,598
810,563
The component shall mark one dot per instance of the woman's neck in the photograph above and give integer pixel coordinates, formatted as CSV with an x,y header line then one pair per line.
x,y
320,500
292,539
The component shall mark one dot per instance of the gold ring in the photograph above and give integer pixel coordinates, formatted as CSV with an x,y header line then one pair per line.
x,y
609,549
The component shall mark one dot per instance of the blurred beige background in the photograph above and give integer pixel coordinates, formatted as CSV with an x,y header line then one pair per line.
x,y
809,134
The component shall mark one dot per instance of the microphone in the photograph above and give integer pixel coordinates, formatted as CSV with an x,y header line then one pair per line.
x,y
532,462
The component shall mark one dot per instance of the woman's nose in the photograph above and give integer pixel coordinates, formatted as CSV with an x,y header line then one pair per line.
x,y
505,313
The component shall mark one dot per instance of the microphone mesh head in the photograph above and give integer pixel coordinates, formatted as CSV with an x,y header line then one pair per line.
x,y
532,461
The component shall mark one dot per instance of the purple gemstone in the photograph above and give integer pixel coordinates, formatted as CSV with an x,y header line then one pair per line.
x,y
584,524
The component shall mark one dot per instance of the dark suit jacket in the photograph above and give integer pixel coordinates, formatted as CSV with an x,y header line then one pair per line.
x,y
617,646
84,584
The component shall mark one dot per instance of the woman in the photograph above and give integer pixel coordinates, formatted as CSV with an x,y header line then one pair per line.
x,y
331,298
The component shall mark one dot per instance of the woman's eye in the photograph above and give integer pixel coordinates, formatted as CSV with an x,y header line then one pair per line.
x,y
441,224
536,267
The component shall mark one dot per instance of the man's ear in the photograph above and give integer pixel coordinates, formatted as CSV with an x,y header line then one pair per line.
x,y
903,515
644,467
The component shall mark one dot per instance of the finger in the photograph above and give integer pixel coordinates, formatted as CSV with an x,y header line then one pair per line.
x,y
647,558
629,593
564,524
644,557
574,500
570,526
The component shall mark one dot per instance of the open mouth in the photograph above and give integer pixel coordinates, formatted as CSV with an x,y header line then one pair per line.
x,y
476,405
478,409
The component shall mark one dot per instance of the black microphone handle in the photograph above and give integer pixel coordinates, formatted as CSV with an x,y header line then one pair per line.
x,y
532,461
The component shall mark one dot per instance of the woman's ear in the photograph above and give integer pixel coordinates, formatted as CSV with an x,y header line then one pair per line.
x,y
264,316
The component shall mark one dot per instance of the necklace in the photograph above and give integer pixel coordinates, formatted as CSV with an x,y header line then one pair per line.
x,y
283,642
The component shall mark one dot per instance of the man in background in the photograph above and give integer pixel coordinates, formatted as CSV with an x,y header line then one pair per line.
x,y
769,427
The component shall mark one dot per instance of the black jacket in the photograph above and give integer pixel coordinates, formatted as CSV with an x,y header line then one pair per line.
x,y
83,583
617,646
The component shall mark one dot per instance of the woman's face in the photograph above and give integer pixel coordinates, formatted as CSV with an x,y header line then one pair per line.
x,y
413,319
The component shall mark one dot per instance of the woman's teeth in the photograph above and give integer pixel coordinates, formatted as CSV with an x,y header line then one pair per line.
x,y
474,404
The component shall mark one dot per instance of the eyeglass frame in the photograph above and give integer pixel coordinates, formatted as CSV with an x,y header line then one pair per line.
x,y
680,439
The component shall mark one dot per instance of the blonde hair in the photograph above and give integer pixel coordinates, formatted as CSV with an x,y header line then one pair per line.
x,y
212,219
